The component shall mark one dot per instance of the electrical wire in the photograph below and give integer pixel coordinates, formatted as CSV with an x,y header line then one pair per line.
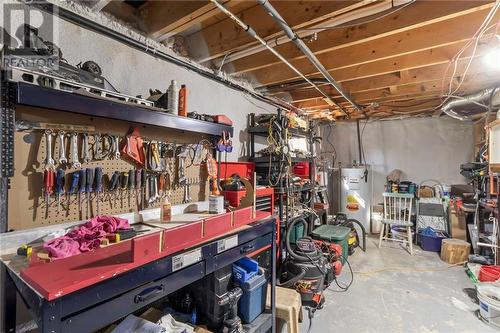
x,y
474,40
410,270
395,9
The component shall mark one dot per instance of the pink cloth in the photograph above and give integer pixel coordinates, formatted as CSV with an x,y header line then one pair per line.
x,y
85,237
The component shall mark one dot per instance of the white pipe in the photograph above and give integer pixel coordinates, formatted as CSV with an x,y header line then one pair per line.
x,y
305,49
253,34
335,21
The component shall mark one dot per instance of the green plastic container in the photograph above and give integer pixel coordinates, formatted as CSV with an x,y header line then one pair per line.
x,y
336,234
296,233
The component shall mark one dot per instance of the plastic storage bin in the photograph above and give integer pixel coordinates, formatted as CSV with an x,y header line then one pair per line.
x,y
430,242
334,233
252,302
244,269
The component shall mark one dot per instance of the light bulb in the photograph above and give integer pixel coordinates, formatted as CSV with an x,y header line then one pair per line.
x,y
492,58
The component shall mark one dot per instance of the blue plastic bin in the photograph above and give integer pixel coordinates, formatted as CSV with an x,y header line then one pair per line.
x,y
244,269
431,243
253,300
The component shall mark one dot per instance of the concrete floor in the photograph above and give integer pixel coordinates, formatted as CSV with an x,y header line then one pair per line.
x,y
420,295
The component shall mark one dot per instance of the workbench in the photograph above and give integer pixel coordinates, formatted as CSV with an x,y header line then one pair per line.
x,y
101,304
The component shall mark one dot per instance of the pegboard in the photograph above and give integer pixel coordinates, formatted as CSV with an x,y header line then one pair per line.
x,y
26,200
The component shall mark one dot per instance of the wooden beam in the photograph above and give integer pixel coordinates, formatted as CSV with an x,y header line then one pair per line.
x,y
394,80
226,35
170,17
417,91
424,38
418,14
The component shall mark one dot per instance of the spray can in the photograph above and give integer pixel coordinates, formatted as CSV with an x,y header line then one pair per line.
x,y
183,101
173,97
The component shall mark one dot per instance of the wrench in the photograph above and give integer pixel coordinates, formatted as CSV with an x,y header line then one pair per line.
x,y
85,149
116,140
62,148
187,197
49,161
73,152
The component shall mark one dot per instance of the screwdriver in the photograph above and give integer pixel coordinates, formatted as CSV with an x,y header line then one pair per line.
x,y
113,182
48,187
83,187
60,181
138,185
75,180
89,189
144,178
123,185
98,186
131,184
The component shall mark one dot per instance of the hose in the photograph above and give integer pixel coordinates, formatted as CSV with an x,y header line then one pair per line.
x,y
295,255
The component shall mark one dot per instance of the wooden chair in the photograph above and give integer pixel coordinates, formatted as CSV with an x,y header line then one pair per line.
x,y
397,211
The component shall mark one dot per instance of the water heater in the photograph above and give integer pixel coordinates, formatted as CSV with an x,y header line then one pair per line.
x,y
356,194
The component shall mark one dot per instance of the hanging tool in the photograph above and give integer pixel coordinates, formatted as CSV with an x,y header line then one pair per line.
x,y
85,149
123,186
73,151
153,189
98,187
49,161
114,183
89,189
48,188
161,185
144,178
114,151
62,148
131,184
60,181
75,181
103,146
82,189
138,186
133,147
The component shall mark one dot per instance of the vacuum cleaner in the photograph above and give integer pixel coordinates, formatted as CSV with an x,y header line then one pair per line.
x,y
306,269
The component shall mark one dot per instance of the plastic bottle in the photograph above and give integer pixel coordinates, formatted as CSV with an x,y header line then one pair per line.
x,y
173,97
183,101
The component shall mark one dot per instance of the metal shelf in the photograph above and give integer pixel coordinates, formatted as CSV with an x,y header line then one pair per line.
x,y
95,106
264,130
265,159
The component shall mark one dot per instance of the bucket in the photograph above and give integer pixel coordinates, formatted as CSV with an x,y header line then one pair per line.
x,y
489,273
489,309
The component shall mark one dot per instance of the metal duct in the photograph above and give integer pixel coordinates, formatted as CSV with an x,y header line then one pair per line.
x,y
476,98
307,52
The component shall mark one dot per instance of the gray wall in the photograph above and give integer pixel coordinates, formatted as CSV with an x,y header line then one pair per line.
x,y
422,148
133,72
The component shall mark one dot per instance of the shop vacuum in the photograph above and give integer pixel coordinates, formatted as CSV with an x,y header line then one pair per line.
x,y
306,269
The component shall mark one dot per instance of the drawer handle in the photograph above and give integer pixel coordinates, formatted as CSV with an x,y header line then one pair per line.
x,y
246,249
148,293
